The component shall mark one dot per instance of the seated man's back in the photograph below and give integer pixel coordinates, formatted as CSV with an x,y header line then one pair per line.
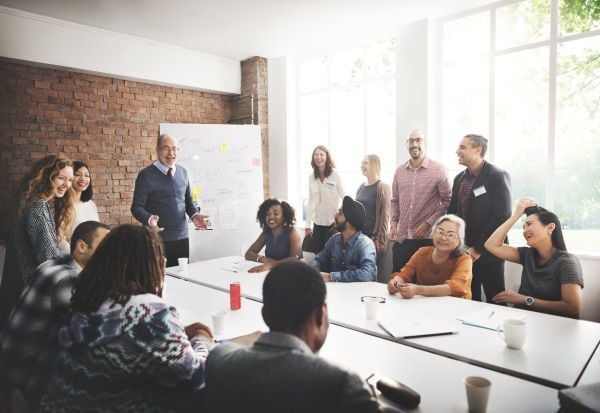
x,y
280,374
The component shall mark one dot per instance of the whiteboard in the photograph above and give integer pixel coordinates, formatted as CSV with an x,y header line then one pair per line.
x,y
224,165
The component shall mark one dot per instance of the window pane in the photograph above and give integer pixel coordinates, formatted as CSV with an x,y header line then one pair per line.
x,y
577,201
381,123
347,66
381,57
578,103
523,22
313,125
465,104
466,37
347,133
313,74
577,17
521,112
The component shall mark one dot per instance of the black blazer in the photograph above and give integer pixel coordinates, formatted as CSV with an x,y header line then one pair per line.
x,y
487,211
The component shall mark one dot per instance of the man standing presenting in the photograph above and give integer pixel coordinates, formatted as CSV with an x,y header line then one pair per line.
x,y
420,195
162,198
481,196
349,255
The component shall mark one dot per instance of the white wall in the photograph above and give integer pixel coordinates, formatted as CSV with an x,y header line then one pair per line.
x,y
57,43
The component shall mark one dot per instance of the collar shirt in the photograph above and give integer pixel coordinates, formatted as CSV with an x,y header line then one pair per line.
x,y
465,189
352,261
418,195
164,168
324,199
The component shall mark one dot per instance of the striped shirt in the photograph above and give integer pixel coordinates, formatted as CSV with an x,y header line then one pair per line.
x,y
418,195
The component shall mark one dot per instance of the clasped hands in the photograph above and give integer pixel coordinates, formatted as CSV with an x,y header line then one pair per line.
x,y
199,221
406,290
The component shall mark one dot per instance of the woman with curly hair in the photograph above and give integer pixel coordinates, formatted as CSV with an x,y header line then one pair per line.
x,y
29,230
277,219
124,347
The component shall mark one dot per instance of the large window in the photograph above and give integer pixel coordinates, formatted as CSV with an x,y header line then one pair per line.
x,y
347,103
527,76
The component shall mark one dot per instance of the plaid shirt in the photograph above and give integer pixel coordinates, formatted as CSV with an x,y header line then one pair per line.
x,y
418,195
29,343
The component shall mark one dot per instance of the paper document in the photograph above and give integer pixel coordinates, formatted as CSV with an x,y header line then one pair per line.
x,y
399,327
490,317
241,266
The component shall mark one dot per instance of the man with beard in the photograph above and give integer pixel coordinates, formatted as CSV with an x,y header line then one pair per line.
x,y
349,255
420,195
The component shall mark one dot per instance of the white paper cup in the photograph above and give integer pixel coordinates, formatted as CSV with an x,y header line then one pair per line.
x,y
478,391
219,320
372,306
183,264
513,332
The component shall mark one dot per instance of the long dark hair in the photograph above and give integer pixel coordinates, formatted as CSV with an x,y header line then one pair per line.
x,y
289,215
129,261
546,217
329,163
89,191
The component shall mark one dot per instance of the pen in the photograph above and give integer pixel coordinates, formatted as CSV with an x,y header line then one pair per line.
x,y
491,314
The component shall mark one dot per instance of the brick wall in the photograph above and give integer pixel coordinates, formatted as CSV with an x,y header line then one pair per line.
x,y
111,124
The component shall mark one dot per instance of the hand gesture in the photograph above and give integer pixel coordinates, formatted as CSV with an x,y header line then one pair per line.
x,y
198,329
509,297
393,285
153,222
522,204
422,231
199,221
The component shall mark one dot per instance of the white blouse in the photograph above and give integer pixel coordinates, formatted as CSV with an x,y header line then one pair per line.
x,y
85,211
324,199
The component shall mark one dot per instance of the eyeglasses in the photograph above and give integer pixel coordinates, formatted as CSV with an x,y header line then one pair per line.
x,y
169,148
411,141
443,234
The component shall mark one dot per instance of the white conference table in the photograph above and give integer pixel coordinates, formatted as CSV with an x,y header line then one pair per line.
x,y
592,372
555,354
437,379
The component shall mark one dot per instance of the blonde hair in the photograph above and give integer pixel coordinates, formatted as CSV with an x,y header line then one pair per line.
x,y
375,164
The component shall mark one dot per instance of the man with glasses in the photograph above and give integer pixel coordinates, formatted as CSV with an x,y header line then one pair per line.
x,y
162,198
420,195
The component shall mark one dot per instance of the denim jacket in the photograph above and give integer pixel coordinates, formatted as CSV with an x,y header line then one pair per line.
x,y
353,261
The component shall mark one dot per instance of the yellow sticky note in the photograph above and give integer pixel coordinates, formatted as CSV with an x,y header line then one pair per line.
x,y
224,146
196,192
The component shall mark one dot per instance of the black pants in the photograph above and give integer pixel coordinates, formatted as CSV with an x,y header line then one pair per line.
x,y
176,249
405,249
321,233
490,275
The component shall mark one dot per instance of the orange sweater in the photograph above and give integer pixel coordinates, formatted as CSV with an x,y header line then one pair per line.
x,y
456,272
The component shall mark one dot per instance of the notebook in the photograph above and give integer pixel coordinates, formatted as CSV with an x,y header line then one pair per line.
x,y
401,327
490,318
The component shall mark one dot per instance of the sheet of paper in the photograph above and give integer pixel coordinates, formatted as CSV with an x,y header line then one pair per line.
x,y
241,266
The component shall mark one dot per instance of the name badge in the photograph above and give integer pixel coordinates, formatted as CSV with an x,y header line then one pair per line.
x,y
331,185
479,190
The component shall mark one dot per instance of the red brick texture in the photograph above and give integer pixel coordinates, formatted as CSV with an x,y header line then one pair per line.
x,y
111,124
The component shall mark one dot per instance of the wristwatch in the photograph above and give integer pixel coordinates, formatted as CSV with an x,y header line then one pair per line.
x,y
529,301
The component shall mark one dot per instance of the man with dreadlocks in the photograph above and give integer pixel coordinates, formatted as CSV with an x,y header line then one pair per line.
x,y
124,348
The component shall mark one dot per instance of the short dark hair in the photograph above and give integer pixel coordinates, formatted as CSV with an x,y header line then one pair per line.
x,y
546,217
478,141
85,232
292,291
89,191
289,215
128,261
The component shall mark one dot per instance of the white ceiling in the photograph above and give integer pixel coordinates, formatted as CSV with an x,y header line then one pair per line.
x,y
240,29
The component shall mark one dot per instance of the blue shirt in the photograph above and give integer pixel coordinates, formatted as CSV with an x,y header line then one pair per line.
x,y
352,261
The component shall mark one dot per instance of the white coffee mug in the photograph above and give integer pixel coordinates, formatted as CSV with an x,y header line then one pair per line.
x,y
219,319
513,332
183,264
478,392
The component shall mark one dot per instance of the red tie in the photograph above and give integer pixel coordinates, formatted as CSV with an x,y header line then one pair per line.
x,y
170,172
